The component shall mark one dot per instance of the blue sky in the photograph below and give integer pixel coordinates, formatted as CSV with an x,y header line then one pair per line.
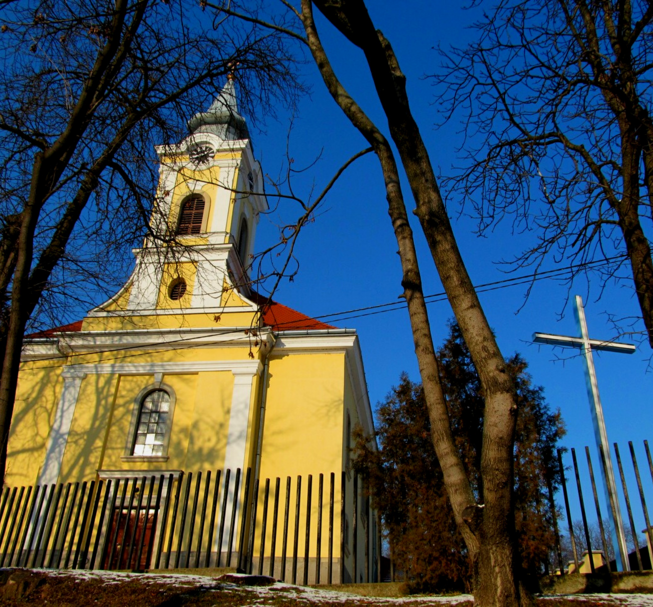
x,y
348,256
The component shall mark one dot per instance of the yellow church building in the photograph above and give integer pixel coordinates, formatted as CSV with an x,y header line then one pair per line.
x,y
189,418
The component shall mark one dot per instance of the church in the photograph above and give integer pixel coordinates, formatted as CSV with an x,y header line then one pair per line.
x,y
188,369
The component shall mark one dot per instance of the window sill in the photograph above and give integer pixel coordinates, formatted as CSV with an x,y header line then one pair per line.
x,y
144,458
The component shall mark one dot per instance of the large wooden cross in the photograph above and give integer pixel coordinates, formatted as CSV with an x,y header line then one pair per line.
x,y
586,344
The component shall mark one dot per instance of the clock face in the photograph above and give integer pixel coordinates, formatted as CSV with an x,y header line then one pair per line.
x,y
201,154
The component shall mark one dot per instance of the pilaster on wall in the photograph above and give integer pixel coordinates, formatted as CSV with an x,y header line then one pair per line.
x,y
236,440
63,418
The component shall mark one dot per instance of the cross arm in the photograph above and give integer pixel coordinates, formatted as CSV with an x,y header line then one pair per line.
x,y
578,342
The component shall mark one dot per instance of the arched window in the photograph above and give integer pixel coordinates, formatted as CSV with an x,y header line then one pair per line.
x,y
242,241
150,437
191,215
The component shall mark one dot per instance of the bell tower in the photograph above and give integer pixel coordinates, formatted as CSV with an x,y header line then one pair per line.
x,y
203,221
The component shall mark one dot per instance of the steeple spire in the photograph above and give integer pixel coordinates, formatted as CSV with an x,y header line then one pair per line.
x,y
222,118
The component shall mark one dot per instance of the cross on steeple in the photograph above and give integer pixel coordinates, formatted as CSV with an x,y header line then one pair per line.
x,y
586,344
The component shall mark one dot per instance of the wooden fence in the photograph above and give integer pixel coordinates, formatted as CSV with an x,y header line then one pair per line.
x,y
185,521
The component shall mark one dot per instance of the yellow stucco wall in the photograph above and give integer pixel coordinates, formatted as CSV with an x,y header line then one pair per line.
x,y
34,411
303,414
302,437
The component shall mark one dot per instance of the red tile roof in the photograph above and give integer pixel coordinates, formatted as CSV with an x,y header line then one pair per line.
x,y
73,327
282,318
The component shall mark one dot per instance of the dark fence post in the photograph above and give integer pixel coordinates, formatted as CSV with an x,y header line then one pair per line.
x,y
200,531
318,548
191,526
242,547
111,489
87,526
264,522
76,529
12,529
597,506
249,557
307,539
379,556
642,499
354,530
18,530
34,524
164,516
146,518
563,481
125,533
140,493
173,519
66,516
296,530
368,523
343,524
115,522
30,527
223,516
214,507
284,547
275,514
332,481
582,512
48,522
182,523
628,508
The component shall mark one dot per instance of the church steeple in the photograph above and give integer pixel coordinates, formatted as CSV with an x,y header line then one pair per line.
x,y
222,118
209,201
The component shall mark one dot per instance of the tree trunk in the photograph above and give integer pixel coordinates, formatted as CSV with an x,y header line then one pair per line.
x,y
627,208
17,317
494,582
493,517
458,486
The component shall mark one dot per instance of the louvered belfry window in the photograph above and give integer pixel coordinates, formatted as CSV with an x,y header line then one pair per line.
x,y
190,219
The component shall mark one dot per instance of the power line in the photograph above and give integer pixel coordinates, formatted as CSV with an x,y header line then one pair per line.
x,y
374,309
482,288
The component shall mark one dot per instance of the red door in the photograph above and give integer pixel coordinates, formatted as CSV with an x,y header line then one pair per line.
x,y
125,525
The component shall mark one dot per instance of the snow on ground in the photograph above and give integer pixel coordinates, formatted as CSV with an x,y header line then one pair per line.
x,y
623,600
316,595
313,595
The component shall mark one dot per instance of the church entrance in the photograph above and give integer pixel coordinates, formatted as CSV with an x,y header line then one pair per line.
x,y
129,538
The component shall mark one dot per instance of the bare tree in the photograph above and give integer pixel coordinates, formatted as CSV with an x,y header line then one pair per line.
x,y
556,97
88,89
485,518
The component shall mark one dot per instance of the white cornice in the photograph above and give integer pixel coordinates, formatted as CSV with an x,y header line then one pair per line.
x,y
237,367
316,341
175,311
160,339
